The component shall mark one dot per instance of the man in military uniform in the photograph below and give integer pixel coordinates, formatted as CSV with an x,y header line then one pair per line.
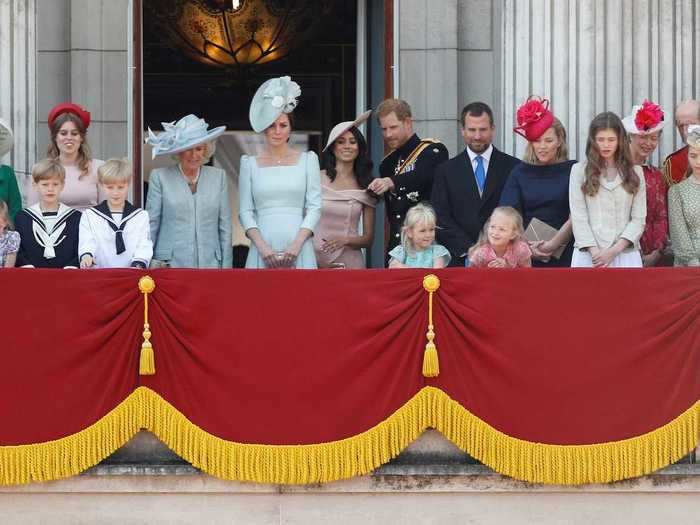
x,y
406,174
676,164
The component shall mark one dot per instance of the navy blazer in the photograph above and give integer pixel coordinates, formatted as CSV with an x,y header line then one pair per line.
x,y
460,210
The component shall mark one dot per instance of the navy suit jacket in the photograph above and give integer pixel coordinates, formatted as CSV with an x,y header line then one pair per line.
x,y
460,210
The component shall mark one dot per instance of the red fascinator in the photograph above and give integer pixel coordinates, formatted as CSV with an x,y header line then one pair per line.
x,y
648,116
534,118
69,107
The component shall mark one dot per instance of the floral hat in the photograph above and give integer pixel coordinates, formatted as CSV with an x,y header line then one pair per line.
x,y
182,135
69,107
274,97
645,119
7,139
693,136
534,118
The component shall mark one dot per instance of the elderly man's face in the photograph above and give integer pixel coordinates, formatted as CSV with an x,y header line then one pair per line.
x,y
687,114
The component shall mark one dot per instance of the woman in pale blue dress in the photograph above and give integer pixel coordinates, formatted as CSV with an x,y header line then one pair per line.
x,y
280,189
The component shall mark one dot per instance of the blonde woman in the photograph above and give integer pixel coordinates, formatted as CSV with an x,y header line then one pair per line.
x,y
188,204
538,187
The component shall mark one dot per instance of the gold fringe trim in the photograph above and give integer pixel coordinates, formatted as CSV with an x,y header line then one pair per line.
x,y
289,464
354,456
565,464
76,453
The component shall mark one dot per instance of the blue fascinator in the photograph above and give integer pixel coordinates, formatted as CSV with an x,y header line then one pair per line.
x,y
182,135
274,97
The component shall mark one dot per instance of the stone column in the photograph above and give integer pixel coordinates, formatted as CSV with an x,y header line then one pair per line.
x,y
17,86
428,67
589,56
479,58
83,48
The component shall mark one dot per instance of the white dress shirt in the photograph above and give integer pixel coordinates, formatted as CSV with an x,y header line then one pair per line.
x,y
486,155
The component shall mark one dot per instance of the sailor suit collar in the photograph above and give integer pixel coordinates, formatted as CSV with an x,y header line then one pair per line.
x,y
49,239
130,211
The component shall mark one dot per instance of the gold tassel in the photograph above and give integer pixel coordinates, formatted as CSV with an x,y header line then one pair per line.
x,y
431,363
147,361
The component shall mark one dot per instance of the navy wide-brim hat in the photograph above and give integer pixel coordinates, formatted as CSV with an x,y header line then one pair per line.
x,y
273,97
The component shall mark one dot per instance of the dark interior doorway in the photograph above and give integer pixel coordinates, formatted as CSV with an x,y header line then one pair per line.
x,y
322,60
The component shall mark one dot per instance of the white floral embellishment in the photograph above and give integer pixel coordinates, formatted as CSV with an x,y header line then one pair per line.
x,y
413,196
282,93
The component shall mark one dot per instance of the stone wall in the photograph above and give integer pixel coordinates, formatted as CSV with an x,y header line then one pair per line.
x,y
53,51
17,80
589,56
447,59
586,56
431,482
82,56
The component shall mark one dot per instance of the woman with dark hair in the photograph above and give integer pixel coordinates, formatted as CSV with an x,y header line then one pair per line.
x,y
280,188
346,173
538,187
68,125
607,196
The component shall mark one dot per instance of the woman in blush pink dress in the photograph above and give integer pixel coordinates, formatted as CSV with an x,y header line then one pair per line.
x,y
347,171
68,126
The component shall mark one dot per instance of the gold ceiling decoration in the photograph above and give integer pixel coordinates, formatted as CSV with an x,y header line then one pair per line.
x,y
236,33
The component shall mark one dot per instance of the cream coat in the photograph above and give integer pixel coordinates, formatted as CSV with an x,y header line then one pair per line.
x,y
608,216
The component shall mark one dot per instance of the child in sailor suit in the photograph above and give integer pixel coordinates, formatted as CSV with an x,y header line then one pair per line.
x,y
48,229
115,234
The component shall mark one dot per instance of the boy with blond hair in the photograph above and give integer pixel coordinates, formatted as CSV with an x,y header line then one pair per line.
x,y
115,234
49,228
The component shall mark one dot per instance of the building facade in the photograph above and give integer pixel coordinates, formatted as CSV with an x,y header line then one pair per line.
x,y
586,56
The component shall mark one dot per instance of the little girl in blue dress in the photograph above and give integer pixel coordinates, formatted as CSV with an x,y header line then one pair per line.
x,y
418,248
